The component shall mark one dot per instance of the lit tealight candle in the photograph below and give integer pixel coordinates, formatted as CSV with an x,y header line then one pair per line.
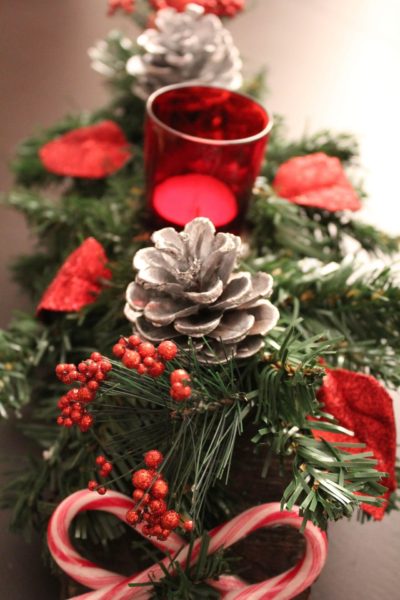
x,y
181,198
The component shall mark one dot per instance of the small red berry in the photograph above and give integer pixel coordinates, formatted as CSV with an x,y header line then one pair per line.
x,y
82,367
101,490
167,350
164,534
85,395
170,520
92,485
100,376
156,530
134,340
96,356
159,489
146,530
107,467
142,479
157,507
157,369
73,394
61,369
131,359
132,517
66,412
105,366
92,385
68,422
86,422
137,495
178,376
76,416
188,525
100,460
146,349
149,361
119,350
60,421
153,459
142,370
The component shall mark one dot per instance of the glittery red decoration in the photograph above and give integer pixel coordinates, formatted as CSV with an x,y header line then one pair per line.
x,y
362,405
127,6
222,8
318,181
78,281
90,152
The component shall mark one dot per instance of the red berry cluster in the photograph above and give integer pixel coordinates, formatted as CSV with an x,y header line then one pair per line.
x,y
144,356
150,494
105,468
180,390
88,375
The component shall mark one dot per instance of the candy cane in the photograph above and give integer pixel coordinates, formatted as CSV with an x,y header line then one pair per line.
x,y
113,586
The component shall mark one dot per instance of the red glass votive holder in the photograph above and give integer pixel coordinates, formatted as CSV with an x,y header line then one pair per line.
x,y
203,150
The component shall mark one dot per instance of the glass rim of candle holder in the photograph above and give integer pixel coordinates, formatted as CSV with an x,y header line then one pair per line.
x,y
204,140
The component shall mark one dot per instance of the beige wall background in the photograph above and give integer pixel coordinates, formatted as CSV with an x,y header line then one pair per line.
x,y
331,65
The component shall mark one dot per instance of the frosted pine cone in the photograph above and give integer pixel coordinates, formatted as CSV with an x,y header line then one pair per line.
x,y
185,46
186,287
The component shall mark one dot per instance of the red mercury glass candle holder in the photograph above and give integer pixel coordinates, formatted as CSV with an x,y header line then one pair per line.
x,y
203,150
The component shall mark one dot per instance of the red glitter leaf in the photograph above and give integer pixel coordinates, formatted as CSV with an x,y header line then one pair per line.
x,y
222,8
361,404
79,280
318,181
91,152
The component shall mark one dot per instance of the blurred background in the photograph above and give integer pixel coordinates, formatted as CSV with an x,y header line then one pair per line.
x,y
330,65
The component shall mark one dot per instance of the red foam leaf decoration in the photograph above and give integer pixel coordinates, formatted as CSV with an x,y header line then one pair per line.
x,y
91,152
79,280
361,404
222,8
318,181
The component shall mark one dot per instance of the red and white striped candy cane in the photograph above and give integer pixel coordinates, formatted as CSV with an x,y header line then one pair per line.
x,y
113,586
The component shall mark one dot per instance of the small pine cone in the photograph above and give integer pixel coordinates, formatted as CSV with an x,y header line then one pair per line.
x,y
185,46
186,287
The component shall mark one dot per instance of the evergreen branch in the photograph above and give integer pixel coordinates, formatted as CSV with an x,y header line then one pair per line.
x,y
328,482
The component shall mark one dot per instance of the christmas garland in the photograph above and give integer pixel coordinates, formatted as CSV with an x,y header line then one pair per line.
x,y
265,342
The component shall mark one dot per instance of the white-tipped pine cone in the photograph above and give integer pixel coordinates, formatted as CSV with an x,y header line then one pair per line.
x,y
186,287
185,46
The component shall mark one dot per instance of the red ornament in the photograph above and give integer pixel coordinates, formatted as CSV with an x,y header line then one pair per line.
x,y
317,181
222,8
362,405
167,350
128,6
153,459
92,152
78,281
142,479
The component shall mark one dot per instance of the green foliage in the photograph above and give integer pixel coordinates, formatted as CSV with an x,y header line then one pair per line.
x,y
189,582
